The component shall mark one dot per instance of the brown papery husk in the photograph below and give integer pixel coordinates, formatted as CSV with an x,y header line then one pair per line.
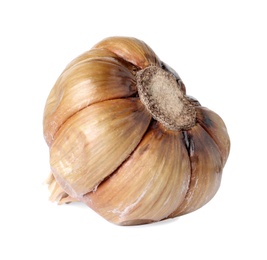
x,y
215,127
130,49
94,142
149,185
88,82
206,170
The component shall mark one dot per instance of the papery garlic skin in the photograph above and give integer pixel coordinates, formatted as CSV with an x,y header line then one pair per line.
x,y
111,148
91,142
151,184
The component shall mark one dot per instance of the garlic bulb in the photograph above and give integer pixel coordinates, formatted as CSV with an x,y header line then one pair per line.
x,y
125,139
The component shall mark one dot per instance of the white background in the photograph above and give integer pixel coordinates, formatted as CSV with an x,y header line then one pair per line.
x,y
219,48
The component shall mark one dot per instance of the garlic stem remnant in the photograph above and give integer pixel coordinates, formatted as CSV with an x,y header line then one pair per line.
x,y
164,99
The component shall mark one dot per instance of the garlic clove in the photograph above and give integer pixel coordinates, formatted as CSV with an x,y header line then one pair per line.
x,y
99,54
85,83
91,54
150,185
130,49
206,170
94,142
216,128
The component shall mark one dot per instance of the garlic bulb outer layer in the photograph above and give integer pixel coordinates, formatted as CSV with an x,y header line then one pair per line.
x,y
127,140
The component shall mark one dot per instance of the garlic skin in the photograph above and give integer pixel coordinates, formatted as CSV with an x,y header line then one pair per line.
x,y
149,185
97,140
131,152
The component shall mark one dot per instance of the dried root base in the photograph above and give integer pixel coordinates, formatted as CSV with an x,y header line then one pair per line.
x,y
57,193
